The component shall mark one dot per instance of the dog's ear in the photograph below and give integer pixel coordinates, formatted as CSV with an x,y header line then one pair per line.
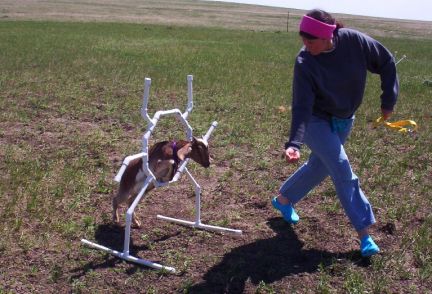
x,y
199,141
184,152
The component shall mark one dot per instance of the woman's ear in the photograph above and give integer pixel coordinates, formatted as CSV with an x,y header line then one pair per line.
x,y
184,152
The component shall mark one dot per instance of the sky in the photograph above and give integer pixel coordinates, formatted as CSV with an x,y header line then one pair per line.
x,y
401,9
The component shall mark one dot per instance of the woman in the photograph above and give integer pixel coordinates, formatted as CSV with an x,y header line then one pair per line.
x,y
328,87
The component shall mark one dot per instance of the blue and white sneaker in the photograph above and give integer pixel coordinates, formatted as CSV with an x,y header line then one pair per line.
x,y
368,246
287,211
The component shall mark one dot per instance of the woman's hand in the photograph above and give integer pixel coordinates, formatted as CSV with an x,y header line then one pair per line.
x,y
292,155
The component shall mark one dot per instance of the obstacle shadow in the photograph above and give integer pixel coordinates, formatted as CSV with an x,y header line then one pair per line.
x,y
112,236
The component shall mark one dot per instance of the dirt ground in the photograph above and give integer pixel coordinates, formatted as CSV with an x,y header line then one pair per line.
x,y
206,262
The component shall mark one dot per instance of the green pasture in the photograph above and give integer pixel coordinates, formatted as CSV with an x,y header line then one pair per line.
x,y
70,98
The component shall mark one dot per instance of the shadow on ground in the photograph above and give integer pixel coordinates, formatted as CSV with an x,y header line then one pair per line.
x,y
111,236
267,260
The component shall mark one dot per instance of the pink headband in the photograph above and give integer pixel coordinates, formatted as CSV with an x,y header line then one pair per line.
x,y
316,28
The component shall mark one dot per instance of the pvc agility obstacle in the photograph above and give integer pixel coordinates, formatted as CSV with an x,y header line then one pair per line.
x,y
152,122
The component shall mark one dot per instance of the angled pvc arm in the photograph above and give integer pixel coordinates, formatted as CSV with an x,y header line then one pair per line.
x,y
402,58
125,163
210,130
180,170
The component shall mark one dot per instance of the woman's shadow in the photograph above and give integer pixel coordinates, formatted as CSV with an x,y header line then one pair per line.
x,y
266,260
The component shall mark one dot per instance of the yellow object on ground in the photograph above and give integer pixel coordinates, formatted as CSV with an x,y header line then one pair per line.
x,y
403,126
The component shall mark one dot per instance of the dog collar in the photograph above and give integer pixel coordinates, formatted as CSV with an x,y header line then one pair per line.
x,y
175,156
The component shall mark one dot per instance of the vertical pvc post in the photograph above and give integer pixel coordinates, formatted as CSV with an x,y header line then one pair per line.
x,y
144,110
145,139
130,212
197,197
190,97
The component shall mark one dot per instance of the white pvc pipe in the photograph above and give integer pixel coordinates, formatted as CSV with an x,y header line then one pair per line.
x,y
197,223
189,135
180,170
129,257
151,178
144,110
167,112
183,165
197,197
190,97
125,164
130,212
200,226
145,140
210,130
403,57
219,229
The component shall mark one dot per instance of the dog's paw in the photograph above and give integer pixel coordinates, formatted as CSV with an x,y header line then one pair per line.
x,y
136,224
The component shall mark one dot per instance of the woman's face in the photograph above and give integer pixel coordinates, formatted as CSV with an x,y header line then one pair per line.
x,y
317,46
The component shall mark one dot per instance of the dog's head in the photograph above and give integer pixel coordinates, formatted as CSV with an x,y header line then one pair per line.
x,y
198,150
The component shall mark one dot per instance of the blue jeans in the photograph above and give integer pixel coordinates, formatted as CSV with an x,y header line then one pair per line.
x,y
328,157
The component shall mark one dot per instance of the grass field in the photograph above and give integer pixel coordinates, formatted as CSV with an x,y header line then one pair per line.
x,y
70,97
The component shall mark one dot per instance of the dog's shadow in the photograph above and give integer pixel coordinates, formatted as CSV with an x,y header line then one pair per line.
x,y
267,260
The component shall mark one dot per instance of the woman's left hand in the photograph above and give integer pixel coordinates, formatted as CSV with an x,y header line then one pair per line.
x,y
292,155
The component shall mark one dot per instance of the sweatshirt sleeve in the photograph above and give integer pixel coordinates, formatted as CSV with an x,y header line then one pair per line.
x,y
380,61
302,104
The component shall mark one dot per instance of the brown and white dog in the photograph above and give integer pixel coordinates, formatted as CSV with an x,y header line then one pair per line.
x,y
164,159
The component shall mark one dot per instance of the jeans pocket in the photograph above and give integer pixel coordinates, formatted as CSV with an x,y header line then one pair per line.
x,y
340,124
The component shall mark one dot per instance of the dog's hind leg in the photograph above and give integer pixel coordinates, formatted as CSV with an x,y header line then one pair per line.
x,y
120,198
135,191
135,221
